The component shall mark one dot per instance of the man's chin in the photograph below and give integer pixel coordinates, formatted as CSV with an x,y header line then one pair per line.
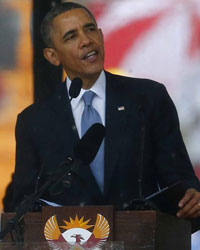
x,y
93,74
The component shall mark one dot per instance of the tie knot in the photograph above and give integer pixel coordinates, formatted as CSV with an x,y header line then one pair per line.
x,y
88,97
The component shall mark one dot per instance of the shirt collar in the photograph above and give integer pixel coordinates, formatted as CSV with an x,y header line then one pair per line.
x,y
98,88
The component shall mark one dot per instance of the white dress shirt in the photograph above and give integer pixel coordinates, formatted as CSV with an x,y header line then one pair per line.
x,y
98,103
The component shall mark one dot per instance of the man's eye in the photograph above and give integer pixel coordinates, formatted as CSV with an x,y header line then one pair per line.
x,y
71,37
91,29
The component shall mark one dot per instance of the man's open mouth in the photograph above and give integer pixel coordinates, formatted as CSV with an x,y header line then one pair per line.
x,y
90,55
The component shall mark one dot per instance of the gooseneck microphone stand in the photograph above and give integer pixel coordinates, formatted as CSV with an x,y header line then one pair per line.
x,y
141,203
16,224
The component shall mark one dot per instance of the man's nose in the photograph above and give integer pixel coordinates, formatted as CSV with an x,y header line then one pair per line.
x,y
85,39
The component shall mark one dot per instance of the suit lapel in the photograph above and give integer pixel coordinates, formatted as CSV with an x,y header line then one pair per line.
x,y
64,116
116,113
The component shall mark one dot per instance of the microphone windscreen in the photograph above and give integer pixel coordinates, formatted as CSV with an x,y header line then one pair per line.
x,y
75,87
90,143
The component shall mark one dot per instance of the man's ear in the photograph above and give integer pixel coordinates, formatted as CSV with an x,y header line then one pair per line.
x,y
51,56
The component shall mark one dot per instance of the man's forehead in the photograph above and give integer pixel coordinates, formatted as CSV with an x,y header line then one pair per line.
x,y
72,17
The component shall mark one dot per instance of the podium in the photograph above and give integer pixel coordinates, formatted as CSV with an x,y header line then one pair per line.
x,y
146,230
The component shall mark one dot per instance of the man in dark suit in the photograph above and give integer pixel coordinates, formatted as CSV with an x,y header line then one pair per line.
x,y
142,127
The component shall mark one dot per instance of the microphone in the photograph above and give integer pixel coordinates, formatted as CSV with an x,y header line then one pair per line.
x,y
75,88
84,153
90,143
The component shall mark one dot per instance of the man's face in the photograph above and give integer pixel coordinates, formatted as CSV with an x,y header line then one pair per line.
x,y
78,44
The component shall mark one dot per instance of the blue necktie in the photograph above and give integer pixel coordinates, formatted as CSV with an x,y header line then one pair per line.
x,y
89,117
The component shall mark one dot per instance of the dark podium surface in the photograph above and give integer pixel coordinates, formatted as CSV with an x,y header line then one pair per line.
x,y
139,230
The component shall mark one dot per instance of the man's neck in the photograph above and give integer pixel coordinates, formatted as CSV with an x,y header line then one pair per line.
x,y
88,82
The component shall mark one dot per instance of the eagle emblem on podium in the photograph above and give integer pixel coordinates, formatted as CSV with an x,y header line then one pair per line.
x,y
77,236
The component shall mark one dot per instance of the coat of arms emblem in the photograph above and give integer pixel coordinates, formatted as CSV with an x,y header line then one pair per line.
x,y
76,234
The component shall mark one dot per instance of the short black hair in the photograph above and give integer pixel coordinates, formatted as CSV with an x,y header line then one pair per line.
x,y
46,25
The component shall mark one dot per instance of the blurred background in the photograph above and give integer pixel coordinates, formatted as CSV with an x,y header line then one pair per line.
x,y
152,39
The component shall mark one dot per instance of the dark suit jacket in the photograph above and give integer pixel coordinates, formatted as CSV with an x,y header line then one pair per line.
x,y
46,134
